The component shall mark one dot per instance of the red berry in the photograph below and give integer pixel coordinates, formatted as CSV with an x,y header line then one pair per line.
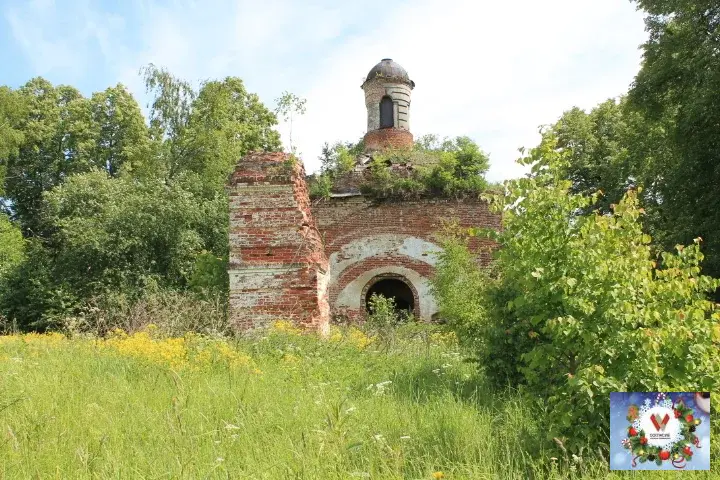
x,y
643,440
677,414
689,418
687,450
632,432
664,454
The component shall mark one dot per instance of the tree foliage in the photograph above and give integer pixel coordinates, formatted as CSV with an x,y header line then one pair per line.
x,y
449,168
12,245
108,202
678,87
578,305
664,134
287,106
599,156
203,133
12,108
62,134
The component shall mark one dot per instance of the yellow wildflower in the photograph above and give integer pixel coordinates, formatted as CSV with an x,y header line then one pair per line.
x,y
335,334
359,339
283,326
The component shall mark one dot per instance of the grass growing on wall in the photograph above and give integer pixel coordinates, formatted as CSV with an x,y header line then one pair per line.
x,y
282,405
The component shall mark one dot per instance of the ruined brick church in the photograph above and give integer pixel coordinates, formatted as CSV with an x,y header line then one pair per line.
x,y
311,262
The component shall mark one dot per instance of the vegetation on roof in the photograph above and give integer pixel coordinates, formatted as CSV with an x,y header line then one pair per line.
x,y
449,168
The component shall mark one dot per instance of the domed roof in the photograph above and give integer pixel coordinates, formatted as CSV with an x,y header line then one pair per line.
x,y
389,69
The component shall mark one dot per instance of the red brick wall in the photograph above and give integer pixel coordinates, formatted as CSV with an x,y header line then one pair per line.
x,y
388,138
278,268
343,221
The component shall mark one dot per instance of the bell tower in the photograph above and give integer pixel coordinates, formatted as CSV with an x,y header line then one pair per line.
x,y
387,98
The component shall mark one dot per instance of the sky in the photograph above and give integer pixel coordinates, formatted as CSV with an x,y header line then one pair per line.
x,y
492,70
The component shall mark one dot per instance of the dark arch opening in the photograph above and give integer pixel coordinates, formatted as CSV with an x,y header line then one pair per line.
x,y
395,289
386,112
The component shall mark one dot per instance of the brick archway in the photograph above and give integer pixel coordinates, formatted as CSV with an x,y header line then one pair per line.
x,y
391,276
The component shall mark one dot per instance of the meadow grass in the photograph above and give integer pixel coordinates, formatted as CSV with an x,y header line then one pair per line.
x,y
279,405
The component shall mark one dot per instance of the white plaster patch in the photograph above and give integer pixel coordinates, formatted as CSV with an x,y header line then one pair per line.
x,y
420,249
323,281
350,296
362,248
258,278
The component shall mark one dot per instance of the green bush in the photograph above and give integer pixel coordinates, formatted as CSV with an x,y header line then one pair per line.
x,y
320,186
116,236
450,168
12,245
171,313
455,169
31,296
580,307
384,318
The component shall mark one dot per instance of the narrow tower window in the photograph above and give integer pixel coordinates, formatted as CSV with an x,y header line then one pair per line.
x,y
386,113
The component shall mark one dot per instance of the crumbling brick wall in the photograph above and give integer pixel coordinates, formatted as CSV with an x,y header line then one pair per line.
x,y
366,240
377,140
277,268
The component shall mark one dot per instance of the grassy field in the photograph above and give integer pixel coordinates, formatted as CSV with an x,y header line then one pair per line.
x,y
278,406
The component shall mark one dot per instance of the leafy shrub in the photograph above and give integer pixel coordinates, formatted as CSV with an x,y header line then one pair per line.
x,y
115,232
171,313
454,169
320,186
384,318
12,245
31,296
209,276
580,307
449,168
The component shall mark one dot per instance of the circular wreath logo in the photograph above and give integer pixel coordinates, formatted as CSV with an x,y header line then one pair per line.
x,y
661,431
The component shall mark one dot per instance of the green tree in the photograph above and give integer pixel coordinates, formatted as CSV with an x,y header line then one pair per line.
x,y
116,136
12,246
579,306
63,134
203,133
678,90
225,124
47,153
339,158
12,108
288,105
601,146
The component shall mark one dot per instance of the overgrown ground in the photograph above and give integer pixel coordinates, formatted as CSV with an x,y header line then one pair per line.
x,y
281,405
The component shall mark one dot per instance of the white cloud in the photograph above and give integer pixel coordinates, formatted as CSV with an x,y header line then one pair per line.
x,y
492,70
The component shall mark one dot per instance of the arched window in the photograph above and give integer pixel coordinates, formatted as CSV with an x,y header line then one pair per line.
x,y
386,113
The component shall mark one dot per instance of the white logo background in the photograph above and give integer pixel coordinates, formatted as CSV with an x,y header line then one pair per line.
x,y
672,428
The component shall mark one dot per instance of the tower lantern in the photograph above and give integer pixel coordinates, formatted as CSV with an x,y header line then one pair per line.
x,y
387,98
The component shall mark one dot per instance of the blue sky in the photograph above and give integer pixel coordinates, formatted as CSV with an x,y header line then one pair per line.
x,y
495,71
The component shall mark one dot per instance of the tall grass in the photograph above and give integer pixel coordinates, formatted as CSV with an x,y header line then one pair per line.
x,y
279,405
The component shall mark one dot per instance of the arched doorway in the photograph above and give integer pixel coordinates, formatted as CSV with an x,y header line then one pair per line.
x,y
392,286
